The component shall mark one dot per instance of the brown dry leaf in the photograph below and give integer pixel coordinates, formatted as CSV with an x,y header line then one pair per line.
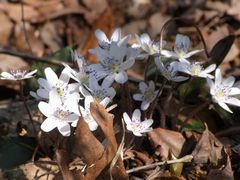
x,y
50,37
5,30
208,149
14,12
47,7
156,22
166,140
20,41
106,23
224,172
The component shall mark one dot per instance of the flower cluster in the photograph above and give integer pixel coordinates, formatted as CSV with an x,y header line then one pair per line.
x,y
65,98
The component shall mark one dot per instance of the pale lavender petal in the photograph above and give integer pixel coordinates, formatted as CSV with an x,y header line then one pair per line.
x,y
209,69
64,128
138,97
43,93
44,83
147,123
143,87
136,117
229,81
233,101
218,77
126,118
121,77
101,36
234,91
64,77
191,53
144,105
116,36
127,64
224,106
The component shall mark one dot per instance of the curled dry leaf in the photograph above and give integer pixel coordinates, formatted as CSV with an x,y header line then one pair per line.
x,y
208,149
165,140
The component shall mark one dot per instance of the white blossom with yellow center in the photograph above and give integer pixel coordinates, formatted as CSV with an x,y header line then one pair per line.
x,y
223,92
17,74
148,94
135,124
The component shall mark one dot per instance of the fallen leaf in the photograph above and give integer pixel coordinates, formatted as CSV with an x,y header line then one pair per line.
x,y
5,30
166,140
208,149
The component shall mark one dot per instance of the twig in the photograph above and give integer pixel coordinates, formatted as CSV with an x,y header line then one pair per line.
x,y
31,57
187,158
24,28
229,131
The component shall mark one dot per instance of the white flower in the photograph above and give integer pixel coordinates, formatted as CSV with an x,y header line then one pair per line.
x,y
148,94
59,84
113,63
196,69
86,113
81,76
104,42
181,47
222,91
17,75
149,46
135,125
97,91
169,71
58,114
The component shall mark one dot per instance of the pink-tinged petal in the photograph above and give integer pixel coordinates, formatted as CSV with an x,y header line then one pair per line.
x,y
143,87
126,118
116,36
136,117
101,36
6,75
144,105
218,77
224,106
191,53
54,98
233,101
64,128
234,91
138,97
121,77
49,124
51,76
229,81
43,93
46,109
44,84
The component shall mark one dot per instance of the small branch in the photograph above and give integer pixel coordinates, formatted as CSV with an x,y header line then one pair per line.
x,y
24,28
187,158
33,58
228,132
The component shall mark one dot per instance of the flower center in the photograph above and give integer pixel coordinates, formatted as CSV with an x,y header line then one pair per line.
x,y
148,95
59,91
84,79
18,74
60,114
219,93
114,67
136,127
196,69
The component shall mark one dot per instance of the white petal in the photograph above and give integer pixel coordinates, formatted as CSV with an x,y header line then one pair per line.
x,y
87,102
117,52
179,78
49,124
234,91
143,87
84,92
218,76
145,38
137,133
210,83
7,75
233,101
123,42
191,53
147,123
126,118
105,102
51,76
101,36
138,97
209,69
43,93
31,73
64,128
74,124
121,77
93,83
54,98
116,36
224,106
136,117
168,53
64,77
229,81
46,109
144,105
127,64
72,105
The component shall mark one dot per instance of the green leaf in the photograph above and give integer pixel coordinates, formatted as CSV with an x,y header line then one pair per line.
x,y
194,125
63,54
15,151
176,168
